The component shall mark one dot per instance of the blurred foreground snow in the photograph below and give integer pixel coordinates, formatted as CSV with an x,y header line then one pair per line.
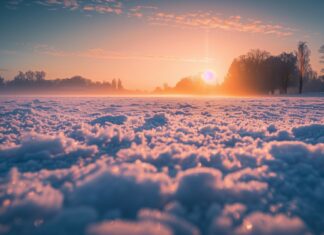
x,y
162,166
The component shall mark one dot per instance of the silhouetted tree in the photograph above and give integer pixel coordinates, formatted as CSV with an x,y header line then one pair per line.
x,y
28,79
249,73
158,90
19,78
40,75
272,74
31,81
259,72
75,81
114,84
313,82
2,81
166,86
190,85
288,63
321,51
120,85
303,54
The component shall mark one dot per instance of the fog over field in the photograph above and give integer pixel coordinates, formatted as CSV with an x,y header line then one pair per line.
x,y
168,166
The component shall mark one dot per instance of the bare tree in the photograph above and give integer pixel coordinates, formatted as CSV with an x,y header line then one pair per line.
x,y
257,56
2,81
321,51
40,75
303,54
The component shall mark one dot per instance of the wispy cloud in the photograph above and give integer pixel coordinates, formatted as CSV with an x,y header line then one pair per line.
x,y
98,53
70,4
13,4
8,52
100,6
104,9
321,50
141,10
153,15
209,20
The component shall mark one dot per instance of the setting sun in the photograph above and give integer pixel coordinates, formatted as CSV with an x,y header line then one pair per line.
x,y
164,117
209,77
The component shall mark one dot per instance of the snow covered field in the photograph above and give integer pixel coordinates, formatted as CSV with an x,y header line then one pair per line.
x,y
162,166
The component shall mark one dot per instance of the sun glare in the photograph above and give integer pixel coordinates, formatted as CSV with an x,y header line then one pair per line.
x,y
209,76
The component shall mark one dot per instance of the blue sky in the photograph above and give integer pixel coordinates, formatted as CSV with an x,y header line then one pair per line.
x,y
148,43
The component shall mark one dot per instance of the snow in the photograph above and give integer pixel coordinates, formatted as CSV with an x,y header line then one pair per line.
x,y
122,165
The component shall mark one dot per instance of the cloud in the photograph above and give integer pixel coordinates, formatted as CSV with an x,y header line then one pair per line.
x,y
141,10
104,9
87,6
70,4
98,53
13,4
153,15
210,21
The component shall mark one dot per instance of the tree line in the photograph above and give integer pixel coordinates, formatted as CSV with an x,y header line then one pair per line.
x,y
256,72
321,51
259,72
35,81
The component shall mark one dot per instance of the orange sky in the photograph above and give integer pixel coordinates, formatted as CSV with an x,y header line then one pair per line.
x,y
145,45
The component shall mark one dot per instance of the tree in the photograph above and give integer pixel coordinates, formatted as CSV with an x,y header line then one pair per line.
x,y
2,81
35,81
321,51
40,76
272,74
119,85
288,66
191,85
114,84
249,73
29,78
303,54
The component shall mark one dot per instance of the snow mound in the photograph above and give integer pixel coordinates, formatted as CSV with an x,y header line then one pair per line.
x,y
92,166
118,120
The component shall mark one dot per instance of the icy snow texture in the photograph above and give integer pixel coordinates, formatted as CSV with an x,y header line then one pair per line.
x,y
161,166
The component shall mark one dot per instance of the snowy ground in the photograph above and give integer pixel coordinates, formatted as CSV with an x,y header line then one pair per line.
x,y
161,166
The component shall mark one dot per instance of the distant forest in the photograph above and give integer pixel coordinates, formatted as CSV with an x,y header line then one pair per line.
x,y
35,82
257,72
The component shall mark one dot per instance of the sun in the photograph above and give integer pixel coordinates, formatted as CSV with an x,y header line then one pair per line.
x,y
209,76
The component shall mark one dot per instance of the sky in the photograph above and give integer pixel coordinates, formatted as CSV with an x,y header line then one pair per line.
x,y
150,43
